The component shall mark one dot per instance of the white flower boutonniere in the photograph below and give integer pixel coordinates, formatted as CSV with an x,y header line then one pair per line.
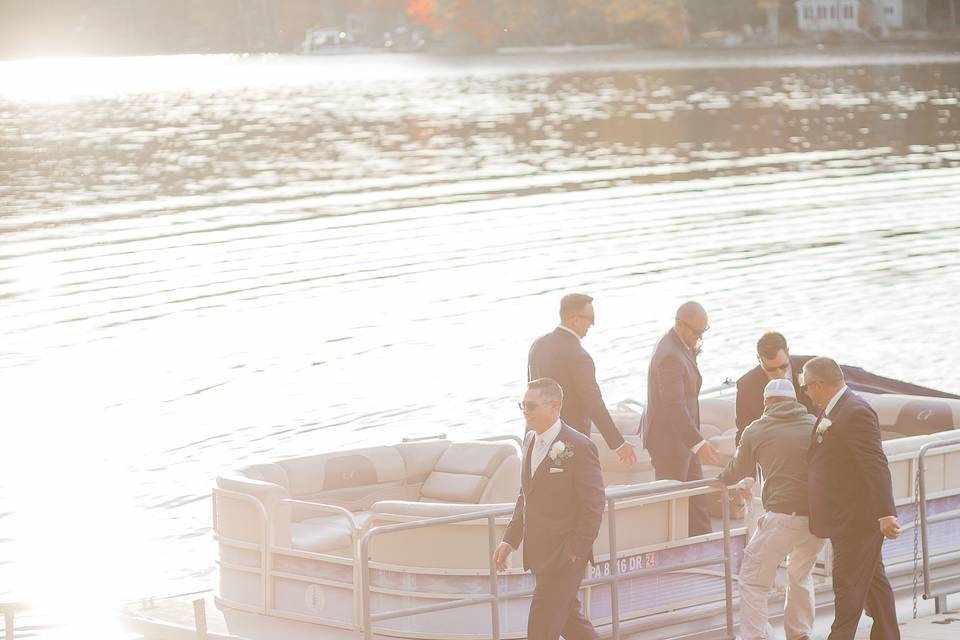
x,y
559,452
822,428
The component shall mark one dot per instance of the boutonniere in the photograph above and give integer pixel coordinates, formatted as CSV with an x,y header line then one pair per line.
x,y
560,452
822,428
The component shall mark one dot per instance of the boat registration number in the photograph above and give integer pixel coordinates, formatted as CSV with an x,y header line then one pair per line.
x,y
624,565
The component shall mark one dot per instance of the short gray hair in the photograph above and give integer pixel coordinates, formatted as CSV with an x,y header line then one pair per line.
x,y
549,389
823,369
572,304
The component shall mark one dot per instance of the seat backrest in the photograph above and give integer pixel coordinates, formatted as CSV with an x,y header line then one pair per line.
x,y
350,479
464,470
239,518
719,412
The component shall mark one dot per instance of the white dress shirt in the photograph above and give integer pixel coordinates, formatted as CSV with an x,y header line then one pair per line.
x,y
570,331
541,446
834,400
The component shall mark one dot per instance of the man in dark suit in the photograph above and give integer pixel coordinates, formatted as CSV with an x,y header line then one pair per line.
x,y
557,516
671,421
775,362
851,501
560,356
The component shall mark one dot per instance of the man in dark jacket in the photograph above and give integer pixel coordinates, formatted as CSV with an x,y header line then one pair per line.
x,y
775,362
557,516
560,356
851,501
671,421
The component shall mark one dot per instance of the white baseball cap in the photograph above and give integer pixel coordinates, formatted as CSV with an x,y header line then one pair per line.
x,y
779,388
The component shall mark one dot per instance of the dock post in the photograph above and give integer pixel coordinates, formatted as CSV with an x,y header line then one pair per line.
x,y
940,604
200,618
8,621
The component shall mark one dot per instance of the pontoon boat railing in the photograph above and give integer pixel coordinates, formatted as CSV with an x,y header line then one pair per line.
x,y
939,597
652,494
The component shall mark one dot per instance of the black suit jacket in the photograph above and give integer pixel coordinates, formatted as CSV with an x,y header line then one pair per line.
x,y
558,512
750,394
559,355
848,478
671,421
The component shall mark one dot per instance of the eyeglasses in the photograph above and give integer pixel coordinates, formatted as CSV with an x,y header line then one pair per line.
x,y
697,332
586,317
780,367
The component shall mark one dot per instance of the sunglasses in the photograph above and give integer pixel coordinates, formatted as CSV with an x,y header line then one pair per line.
x,y
530,406
806,384
697,332
781,367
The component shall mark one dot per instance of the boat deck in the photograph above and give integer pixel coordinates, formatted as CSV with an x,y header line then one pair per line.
x,y
944,626
172,618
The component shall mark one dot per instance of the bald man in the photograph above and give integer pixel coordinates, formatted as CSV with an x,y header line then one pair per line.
x,y
671,421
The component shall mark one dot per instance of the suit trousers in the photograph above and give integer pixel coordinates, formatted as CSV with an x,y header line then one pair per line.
x,y
778,536
555,609
686,467
859,581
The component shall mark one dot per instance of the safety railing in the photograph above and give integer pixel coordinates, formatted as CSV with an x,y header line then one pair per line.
x,y
494,597
939,597
259,547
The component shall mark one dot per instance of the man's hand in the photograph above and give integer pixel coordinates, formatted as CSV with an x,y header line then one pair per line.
x,y
708,454
627,453
745,489
501,554
889,527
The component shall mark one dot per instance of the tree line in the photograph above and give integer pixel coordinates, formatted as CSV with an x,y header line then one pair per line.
x,y
131,27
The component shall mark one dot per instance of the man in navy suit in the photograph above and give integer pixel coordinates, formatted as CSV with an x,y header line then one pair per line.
x,y
671,421
560,356
851,501
557,516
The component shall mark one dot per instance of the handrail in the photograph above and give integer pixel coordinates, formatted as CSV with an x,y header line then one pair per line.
x,y
922,492
264,535
515,439
495,597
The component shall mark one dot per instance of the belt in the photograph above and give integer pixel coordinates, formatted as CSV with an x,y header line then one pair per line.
x,y
792,513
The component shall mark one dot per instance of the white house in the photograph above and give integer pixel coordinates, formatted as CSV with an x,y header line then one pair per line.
x,y
849,15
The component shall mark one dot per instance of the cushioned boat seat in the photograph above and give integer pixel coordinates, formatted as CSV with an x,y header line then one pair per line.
x,y
326,534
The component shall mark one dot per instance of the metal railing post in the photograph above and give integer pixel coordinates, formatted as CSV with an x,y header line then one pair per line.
x,y
494,587
614,568
727,560
939,600
922,505
365,585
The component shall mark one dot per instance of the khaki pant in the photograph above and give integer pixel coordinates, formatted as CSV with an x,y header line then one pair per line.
x,y
778,536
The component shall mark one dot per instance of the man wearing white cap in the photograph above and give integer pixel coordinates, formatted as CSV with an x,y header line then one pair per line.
x,y
778,442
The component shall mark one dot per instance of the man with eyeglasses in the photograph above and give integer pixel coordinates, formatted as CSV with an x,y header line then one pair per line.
x,y
671,421
851,501
774,362
557,515
559,355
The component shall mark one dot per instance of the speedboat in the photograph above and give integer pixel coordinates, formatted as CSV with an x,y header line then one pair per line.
x,y
396,541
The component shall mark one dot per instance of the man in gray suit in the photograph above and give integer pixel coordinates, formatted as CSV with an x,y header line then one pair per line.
x,y
557,516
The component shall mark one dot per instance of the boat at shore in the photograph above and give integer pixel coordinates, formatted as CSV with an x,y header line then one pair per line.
x,y
396,541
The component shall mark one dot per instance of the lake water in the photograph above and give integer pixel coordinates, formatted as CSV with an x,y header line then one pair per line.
x,y
207,261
